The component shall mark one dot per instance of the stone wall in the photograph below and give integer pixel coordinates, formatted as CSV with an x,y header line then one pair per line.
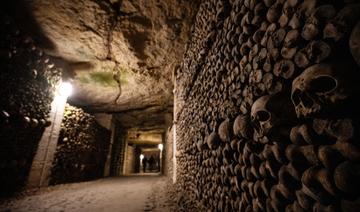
x,y
118,150
266,117
168,153
82,148
130,160
28,78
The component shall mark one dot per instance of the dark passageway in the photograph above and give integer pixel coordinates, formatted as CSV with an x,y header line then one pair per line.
x,y
180,105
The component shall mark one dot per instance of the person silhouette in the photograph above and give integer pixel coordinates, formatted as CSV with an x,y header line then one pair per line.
x,y
144,162
151,162
158,164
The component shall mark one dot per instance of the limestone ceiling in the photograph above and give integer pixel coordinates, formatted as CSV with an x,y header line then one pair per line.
x,y
138,137
149,150
153,119
113,47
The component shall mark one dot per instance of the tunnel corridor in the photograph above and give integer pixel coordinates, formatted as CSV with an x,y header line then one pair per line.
x,y
180,105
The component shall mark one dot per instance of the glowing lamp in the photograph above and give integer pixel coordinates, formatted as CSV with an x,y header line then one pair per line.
x,y
160,146
65,89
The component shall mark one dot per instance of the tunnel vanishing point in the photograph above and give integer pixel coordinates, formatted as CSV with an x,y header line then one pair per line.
x,y
241,105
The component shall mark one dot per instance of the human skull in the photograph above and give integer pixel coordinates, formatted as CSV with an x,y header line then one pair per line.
x,y
271,111
321,87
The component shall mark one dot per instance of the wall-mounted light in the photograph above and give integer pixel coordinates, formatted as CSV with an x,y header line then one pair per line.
x,y
65,89
141,156
160,146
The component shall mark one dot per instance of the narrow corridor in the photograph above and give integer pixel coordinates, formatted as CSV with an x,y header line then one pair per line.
x,y
238,105
130,194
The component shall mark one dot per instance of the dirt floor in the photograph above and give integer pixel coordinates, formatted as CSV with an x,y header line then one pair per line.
x,y
132,193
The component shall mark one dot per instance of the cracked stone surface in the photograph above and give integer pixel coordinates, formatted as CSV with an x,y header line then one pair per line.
x,y
138,43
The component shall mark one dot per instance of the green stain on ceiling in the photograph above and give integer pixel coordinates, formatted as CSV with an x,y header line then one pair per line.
x,y
103,78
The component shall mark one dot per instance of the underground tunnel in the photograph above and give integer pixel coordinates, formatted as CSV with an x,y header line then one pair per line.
x,y
180,105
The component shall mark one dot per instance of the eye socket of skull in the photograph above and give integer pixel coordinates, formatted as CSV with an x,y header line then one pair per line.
x,y
323,85
263,115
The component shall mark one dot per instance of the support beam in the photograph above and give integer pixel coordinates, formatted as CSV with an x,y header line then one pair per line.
x,y
108,157
174,133
39,175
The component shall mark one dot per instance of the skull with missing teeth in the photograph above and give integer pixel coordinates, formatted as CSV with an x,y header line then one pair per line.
x,y
270,113
320,88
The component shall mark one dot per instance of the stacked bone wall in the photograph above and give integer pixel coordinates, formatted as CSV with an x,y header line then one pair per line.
x,y
82,148
28,78
266,117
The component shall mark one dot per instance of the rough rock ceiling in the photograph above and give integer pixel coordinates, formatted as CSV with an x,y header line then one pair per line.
x,y
144,137
138,43
152,120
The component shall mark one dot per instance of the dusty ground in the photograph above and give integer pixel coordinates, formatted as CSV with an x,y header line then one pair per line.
x,y
133,193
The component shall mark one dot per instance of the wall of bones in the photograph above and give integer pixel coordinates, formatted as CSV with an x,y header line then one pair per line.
x,y
27,78
266,112
82,148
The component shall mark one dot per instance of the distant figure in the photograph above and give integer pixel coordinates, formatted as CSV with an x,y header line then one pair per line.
x,y
144,162
151,162
158,163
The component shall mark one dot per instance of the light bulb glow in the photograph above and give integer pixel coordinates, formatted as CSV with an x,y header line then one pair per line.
x,y
141,156
65,89
160,146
